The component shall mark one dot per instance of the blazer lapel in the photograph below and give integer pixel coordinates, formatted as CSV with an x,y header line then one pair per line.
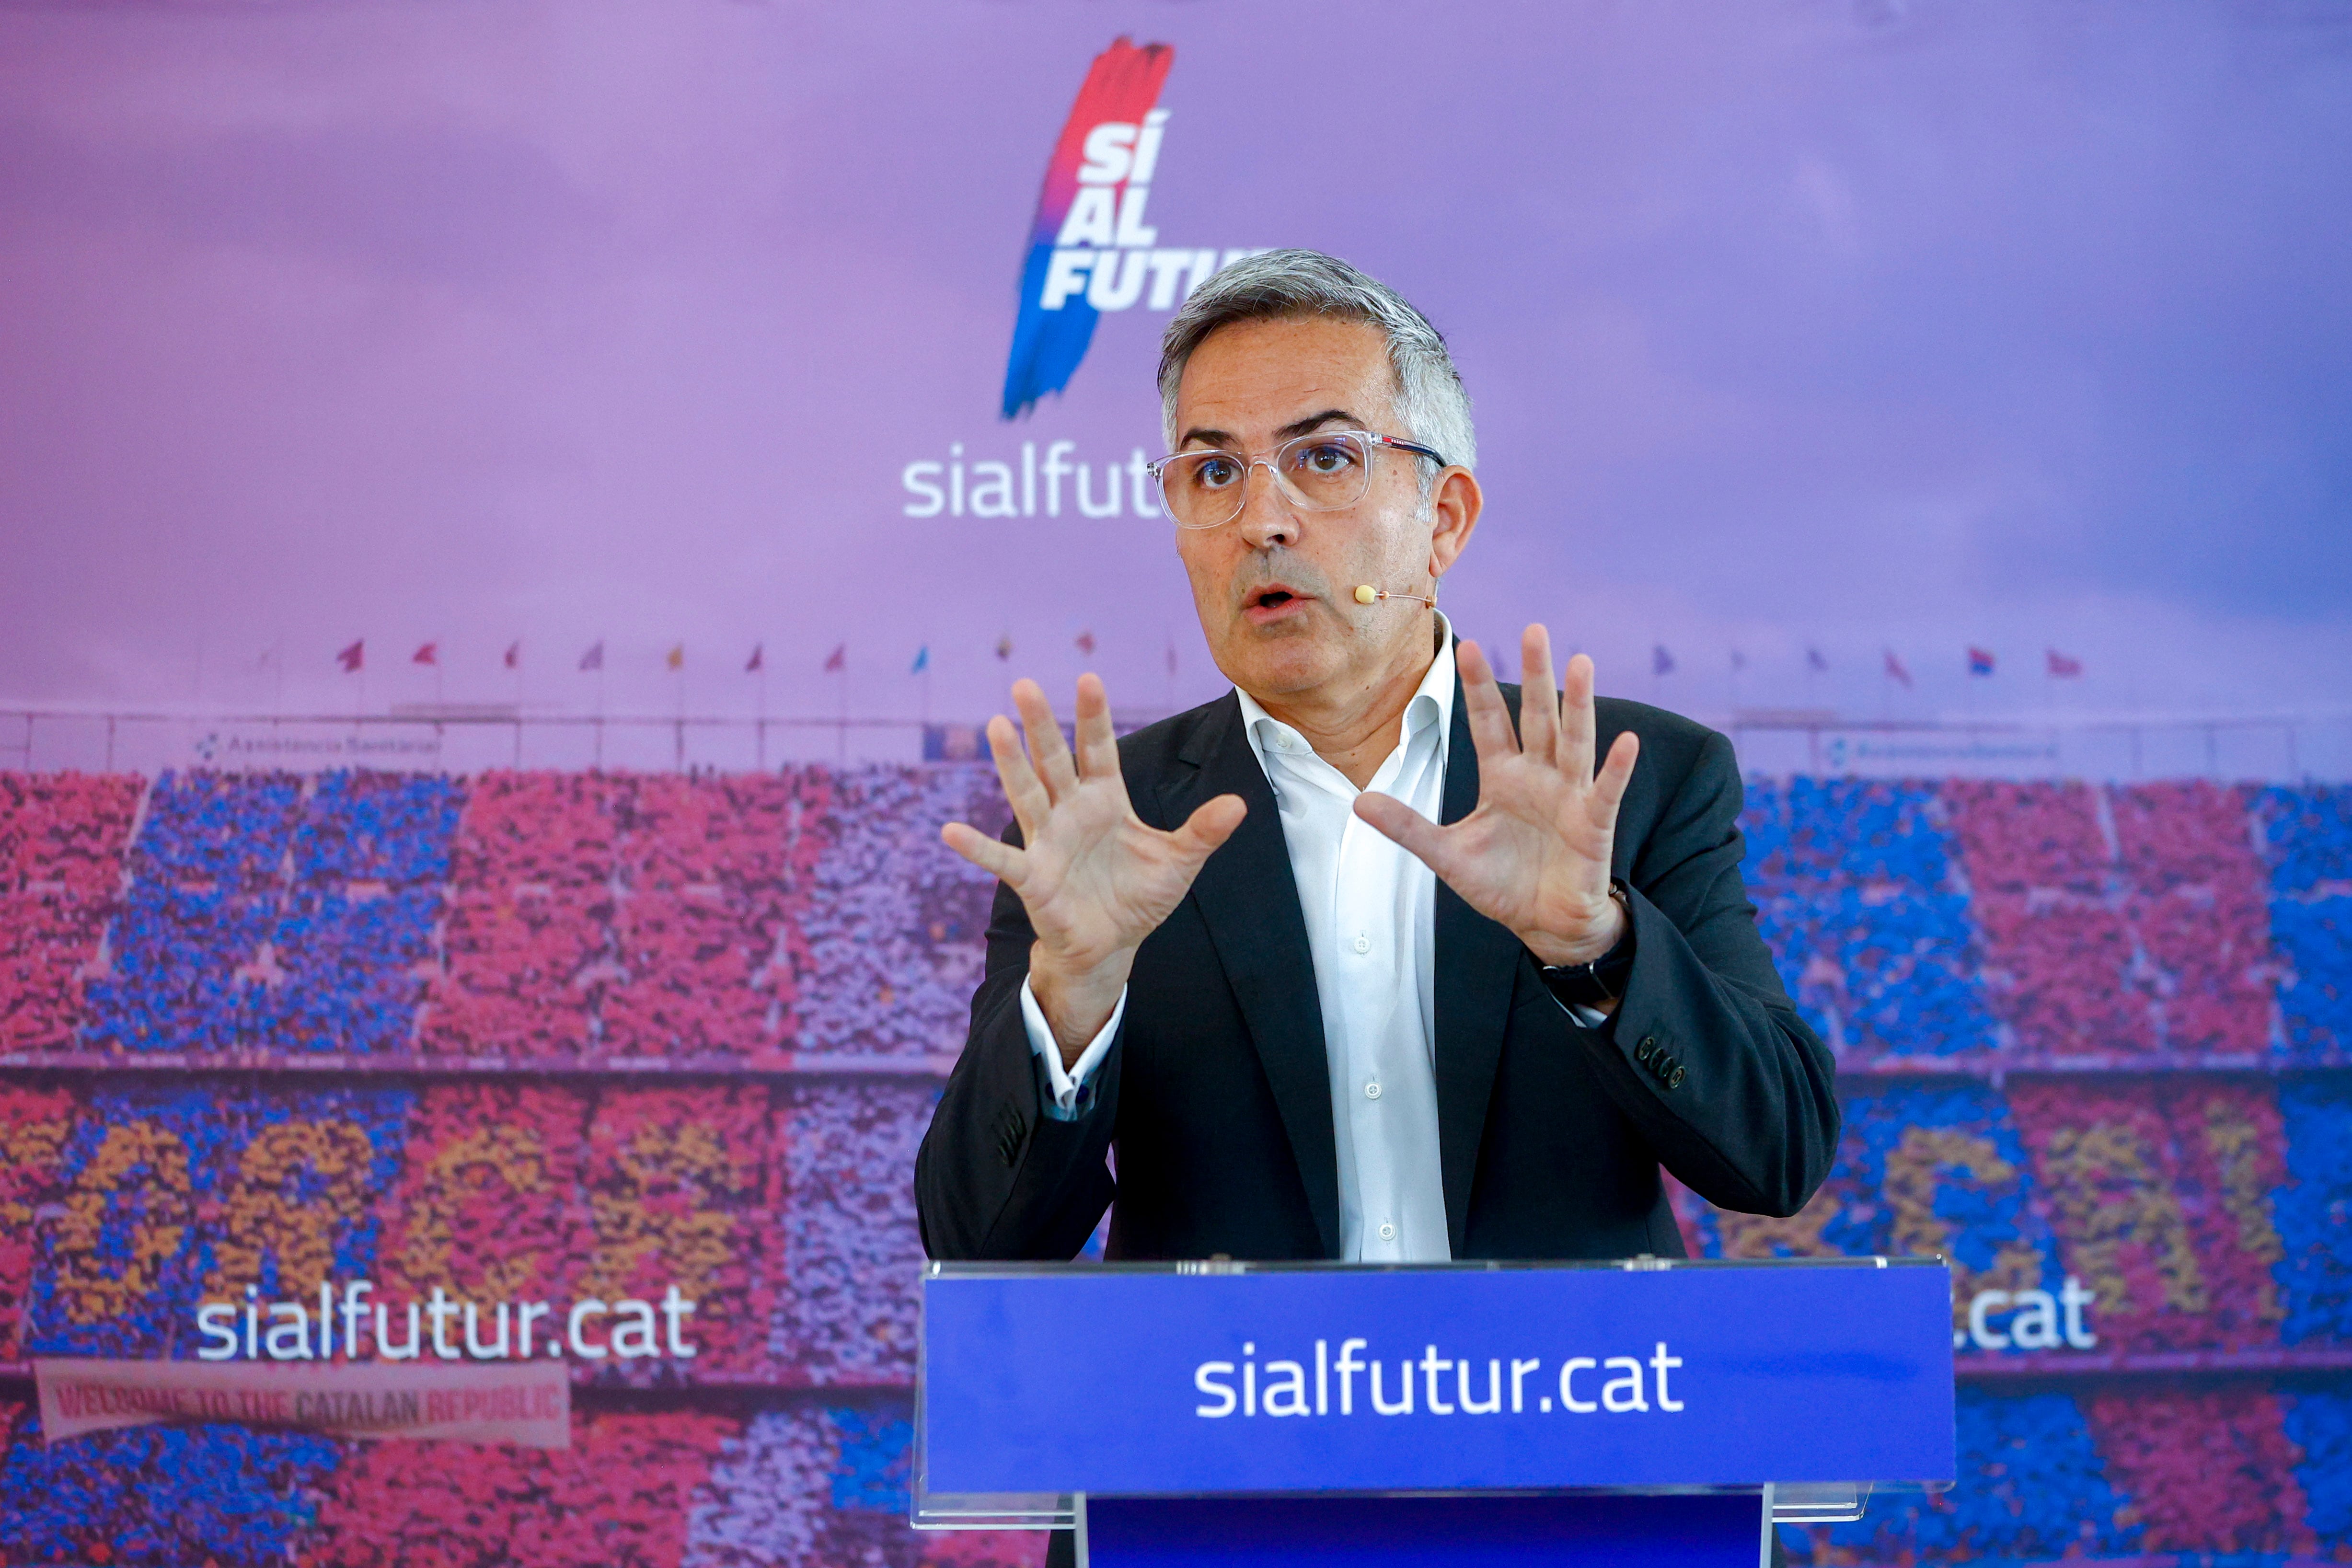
x,y
1249,899
1476,960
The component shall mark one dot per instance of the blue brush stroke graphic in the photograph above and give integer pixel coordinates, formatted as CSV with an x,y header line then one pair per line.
x,y
1047,345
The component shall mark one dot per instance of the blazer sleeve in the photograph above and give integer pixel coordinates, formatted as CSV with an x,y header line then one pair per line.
x,y
996,1179
1707,1054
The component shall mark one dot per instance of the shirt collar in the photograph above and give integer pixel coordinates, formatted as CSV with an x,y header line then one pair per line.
x,y
1432,703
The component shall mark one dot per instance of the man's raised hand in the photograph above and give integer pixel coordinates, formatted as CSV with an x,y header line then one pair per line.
x,y
1534,856
1095,878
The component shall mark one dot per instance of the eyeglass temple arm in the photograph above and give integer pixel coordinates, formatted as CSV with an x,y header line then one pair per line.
x,y
1413,446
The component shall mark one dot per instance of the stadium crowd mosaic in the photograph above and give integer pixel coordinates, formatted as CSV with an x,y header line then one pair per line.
x,y
555,1035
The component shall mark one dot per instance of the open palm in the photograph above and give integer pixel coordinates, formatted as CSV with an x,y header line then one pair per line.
x,y
1095,879
1534,855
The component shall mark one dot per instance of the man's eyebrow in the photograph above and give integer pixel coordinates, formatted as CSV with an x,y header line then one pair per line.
x,y
1295,428
1300,426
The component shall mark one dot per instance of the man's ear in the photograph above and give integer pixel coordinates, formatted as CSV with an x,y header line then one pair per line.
x,y
1453,512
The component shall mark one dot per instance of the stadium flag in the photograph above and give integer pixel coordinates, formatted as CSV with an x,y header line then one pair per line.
x,y
429,653
1813,659
923,660
1894,670
1004,647
758,660
1739,661
838,659
353,657
514,656
2062,667
676,659
1661,661
1086,643
1980,660
594,657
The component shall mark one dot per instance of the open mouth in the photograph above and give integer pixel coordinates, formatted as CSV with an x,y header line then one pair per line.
x,y
1273,602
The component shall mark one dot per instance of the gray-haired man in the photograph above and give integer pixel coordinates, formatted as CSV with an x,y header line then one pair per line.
x,y
1237,948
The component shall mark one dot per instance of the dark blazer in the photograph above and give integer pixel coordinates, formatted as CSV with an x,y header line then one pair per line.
x,y
1217,1100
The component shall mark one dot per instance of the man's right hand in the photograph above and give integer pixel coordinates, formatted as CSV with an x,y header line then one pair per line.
x,y
1095,878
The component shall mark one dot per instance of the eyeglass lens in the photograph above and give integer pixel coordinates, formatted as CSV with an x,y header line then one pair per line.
x,y
1319,472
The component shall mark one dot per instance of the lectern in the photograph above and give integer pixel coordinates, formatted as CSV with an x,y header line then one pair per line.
x,y
1649,1411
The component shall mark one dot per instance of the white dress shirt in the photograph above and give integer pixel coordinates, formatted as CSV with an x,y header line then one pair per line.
x,y
1370,910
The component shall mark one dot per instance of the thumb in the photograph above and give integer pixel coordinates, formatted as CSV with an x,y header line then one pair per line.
x,y
1206,830
1414,833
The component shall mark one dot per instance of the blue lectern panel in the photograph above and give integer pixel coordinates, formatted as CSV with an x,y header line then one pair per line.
x,y
1715,1531
1110,1381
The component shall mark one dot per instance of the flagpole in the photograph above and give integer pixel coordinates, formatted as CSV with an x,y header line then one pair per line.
x,y
841,734
677,690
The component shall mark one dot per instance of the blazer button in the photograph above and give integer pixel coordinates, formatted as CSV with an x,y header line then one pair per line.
x,y
1676,1081
1641,1052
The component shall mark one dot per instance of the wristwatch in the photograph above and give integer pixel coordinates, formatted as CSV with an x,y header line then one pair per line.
x,y
1603,979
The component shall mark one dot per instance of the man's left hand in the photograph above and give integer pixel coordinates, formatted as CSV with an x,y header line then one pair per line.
x,y
1534,856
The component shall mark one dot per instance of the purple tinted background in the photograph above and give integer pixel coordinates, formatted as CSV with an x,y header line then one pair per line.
x,y
1850,324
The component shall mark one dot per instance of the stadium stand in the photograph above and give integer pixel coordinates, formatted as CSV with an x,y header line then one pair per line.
x,y
492,1201
619,1496
2307,835
894,921
62,842
2319,1424
845,1307
161,1495
2034,1488
35,1123
2087,1031
1855,886
682,1187
2209,1470
2314,1209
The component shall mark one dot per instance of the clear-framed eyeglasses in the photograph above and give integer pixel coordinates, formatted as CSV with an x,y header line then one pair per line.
x,y
1324,471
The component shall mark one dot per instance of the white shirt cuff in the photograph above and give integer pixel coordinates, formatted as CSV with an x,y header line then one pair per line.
x,y
1585,1016
1064,1089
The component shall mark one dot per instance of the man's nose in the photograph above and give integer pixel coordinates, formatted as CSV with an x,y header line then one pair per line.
x,y
1266,518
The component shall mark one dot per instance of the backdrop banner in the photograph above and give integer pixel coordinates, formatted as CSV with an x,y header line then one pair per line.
x,y
528,1403
514,515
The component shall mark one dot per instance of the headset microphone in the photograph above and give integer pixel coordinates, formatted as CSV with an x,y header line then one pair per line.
x,y
1366,594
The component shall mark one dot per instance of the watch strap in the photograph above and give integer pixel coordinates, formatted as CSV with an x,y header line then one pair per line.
x,y
1603,979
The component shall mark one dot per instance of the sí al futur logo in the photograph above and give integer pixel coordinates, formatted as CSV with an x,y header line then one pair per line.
x,y
1092,246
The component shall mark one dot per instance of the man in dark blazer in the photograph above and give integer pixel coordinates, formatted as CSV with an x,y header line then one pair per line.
x,y
1560,986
